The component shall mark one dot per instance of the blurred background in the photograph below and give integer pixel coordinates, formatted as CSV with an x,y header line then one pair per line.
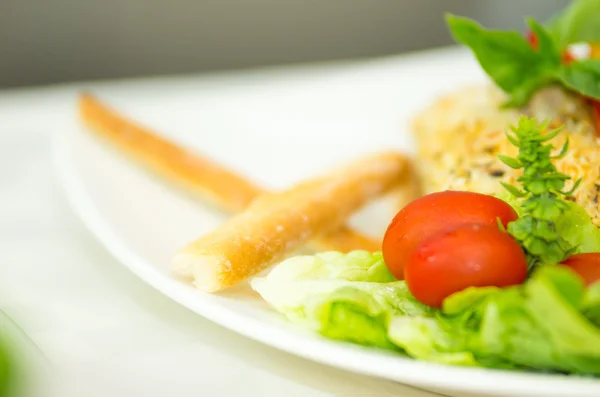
x,y
53,41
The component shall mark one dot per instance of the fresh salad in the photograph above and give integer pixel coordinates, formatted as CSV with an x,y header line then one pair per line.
x,y
509,281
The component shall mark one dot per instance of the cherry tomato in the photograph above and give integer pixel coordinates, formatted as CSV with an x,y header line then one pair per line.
x,y
533,40
433,213
586,265
567,56
468,255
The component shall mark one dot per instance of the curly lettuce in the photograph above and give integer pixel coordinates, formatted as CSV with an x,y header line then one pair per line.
x,y
591,303
348,297
550,323
542,325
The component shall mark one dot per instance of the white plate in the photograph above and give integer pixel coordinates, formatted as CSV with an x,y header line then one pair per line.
x,y
276,127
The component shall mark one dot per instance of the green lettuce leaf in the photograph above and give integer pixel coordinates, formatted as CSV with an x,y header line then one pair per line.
x,y
554,299
541,325
342,296
354,315
466,300
332,265
425,338
591,304
294,285
575,225
454,335
577,23
514,202
550,323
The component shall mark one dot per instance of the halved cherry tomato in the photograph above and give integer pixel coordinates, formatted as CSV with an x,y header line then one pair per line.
x,y
468,255
433,213
586,265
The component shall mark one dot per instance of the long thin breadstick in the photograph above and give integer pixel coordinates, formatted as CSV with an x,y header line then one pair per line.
x,y
199,175
277,224
196,174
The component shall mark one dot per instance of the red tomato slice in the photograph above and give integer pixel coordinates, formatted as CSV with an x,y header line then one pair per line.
x,y
468,255
433,213
586,265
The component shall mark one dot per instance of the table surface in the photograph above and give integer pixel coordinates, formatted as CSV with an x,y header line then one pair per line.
x,y
104,331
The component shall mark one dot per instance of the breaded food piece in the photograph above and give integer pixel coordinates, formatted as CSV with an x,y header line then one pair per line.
x,y
277,224
460,135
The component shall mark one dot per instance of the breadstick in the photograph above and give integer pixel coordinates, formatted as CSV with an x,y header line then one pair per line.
x,y
279,223
196,174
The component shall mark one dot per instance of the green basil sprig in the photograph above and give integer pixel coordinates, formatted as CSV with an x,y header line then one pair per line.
x,y
582,76
518,68
580,22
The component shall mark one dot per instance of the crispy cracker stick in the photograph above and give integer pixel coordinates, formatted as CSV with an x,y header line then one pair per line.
x,y
277,224
198,175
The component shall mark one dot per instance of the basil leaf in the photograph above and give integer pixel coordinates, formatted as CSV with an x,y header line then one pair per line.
x,y
547,48
582,76
580,22
508,58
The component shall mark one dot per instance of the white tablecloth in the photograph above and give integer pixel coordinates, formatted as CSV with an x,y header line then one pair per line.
x,y
105,332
